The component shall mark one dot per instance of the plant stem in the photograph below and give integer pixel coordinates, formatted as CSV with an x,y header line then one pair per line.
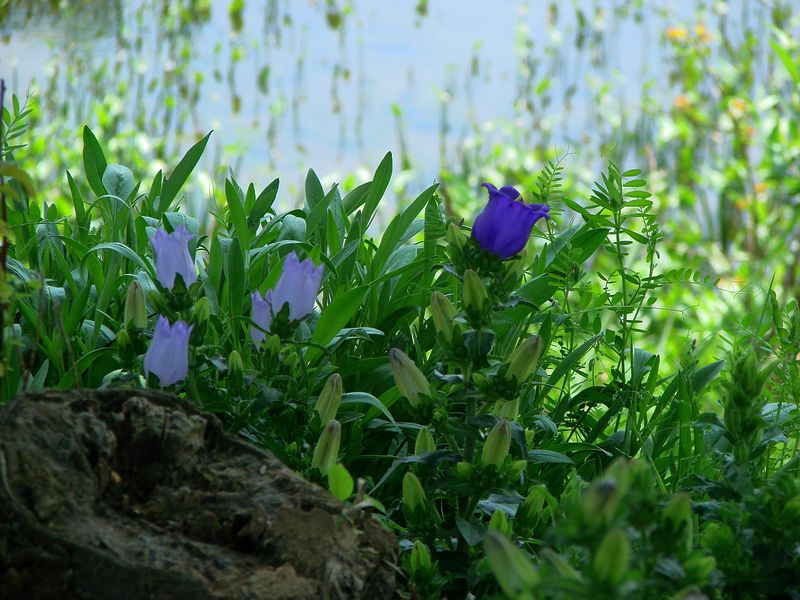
x,y
3,241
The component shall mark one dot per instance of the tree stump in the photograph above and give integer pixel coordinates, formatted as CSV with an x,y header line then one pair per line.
x,y
133,494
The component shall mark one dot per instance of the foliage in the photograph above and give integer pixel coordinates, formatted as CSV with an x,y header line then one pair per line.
x,y
487,411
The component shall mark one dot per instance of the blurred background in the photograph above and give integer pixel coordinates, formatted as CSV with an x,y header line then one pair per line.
x,y
700,95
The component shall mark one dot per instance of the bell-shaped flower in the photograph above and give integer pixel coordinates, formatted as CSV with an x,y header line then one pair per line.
x,y
168,354
261,315
504,226
172,256
298,287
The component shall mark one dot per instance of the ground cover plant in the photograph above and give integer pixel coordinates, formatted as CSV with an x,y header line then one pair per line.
x,y
487,388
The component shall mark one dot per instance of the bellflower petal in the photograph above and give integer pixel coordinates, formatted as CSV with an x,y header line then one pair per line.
x,y
298,286
504,226
168,354
172,256
261,315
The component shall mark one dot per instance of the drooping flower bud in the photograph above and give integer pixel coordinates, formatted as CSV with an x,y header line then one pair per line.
x,y
168,354
475,296
327,448
515,573
172,256
443,313
611,561
409,379
328,402
497,444
523,359
504,226
425,442
135,312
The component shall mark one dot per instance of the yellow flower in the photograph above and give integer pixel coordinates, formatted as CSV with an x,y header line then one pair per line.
x,y
676,33
702,33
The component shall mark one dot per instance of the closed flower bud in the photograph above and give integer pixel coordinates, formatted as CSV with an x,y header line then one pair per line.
x,y
273,345
530,509
506,408
455,237
235,364
425,442
523,359
517,467
172,256
516,574
201,311
135,312
414,498
328,402
497,444
168,354
443,313
475,296
421,564
327,447
464,470
499,522
611,561
408,378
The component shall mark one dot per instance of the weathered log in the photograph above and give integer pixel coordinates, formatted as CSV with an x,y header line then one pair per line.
x,y
130,494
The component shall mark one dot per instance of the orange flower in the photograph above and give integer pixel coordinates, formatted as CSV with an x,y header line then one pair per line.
x,y
702,33
676,33
682,102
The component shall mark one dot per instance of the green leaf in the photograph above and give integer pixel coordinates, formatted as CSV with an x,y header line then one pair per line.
x,y
94,163
123,250
340,482
237,221
705,375
236,279
369,400
334,317
376,190
180,174
118,181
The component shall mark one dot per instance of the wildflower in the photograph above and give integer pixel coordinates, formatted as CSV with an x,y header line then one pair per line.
x,y
702,33
172,256
298,287
676,33
261,315
409,379
504,226
168,354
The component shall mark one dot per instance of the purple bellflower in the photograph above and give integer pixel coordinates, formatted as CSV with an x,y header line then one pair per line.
x,y
168,354
504,226
297,287
172,256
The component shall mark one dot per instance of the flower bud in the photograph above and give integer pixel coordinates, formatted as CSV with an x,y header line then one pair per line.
x,y
443,313
475,296
135,312
235,364
425,442
499,522
508,409
327,447
201,311
464,470
530,509
497,444
421,564
328,402
523,359
600,503
515,573
517,467
414,498
408,378
611,561
273,345
455,237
